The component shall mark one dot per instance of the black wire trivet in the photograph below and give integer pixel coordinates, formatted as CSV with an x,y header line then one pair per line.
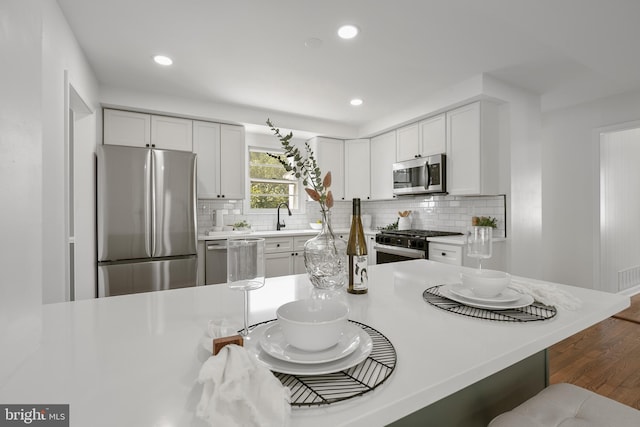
x,y
531,313
315,390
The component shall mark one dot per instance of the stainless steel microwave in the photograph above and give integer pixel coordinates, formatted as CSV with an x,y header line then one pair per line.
x,y
422,175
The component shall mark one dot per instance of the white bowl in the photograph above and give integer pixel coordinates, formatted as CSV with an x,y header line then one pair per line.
x,y
312,324
486,283
315,225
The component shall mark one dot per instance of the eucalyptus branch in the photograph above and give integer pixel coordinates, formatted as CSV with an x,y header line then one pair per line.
x,y
305,167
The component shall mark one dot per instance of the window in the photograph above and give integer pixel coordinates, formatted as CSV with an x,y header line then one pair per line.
x,y
270,183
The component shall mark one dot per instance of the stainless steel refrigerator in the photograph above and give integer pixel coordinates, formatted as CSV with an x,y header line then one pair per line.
x,y
146,220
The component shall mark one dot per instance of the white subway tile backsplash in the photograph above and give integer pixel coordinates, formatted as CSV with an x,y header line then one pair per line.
x,y
444,213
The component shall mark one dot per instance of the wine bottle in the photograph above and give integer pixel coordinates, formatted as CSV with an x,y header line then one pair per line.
x,y
357,252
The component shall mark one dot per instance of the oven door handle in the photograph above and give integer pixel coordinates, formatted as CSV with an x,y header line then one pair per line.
x,y
396,250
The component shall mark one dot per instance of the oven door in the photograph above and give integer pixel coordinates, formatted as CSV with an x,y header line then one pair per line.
x,y
386,253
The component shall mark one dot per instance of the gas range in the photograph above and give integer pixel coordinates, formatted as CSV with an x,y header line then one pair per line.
x,y
400,245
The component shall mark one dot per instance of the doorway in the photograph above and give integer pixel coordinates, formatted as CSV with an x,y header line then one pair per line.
x,y
620,209
79,200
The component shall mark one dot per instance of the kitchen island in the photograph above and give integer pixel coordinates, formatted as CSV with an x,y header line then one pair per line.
x,y
132,360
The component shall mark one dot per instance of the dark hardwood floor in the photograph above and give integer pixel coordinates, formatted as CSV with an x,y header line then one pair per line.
x,y
604,358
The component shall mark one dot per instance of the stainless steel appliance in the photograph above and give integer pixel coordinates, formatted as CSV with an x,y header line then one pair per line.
x,y
420,176
404,245
146,220
215,267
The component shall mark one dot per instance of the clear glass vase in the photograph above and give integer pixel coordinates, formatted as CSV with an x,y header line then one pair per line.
x,y
325,257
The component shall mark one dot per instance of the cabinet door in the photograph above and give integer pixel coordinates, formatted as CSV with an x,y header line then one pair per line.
x,y
206,144
278,264
463,150
171,133
408,142
433,133
126,128
232,162
330,157
383,155
357,164
298,263
371,243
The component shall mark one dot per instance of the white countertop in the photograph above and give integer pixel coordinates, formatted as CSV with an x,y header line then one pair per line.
x,y
133,360
272,233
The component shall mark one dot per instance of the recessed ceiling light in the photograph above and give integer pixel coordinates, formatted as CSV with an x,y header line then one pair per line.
x,y
163,60
356,102
348,31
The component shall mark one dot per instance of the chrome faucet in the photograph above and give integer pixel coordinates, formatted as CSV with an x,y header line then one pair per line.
x,y
278,225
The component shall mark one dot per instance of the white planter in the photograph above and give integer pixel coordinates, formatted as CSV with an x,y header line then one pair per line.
x,y
404,223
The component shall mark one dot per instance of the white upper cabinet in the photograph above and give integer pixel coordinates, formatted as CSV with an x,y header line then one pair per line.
x,y
206,144
171,133
472,150
357,169
232,162
433,133
408,140
221,160
145,130
126,128
383,155
329,155
423,138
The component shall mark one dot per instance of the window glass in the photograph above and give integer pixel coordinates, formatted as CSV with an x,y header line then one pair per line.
x,y
270,183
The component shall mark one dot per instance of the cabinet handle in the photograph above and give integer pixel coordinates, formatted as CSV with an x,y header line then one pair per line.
x,y
153,145
218,196
146,145
223,196
444,254
277,245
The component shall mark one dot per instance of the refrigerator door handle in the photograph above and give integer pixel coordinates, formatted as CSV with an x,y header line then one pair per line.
x,y
151,206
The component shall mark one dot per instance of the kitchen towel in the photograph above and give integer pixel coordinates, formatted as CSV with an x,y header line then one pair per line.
x,y
547,294
238,391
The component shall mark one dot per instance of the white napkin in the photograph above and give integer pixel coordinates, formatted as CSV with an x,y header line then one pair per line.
x,y
547,294
238,391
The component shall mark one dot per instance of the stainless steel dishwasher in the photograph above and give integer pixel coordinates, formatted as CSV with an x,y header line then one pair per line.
x,y
215,267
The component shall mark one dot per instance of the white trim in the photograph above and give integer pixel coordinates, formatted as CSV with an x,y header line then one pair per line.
x,y
596,137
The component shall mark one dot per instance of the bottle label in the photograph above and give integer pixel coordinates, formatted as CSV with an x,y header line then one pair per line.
x,y
360,279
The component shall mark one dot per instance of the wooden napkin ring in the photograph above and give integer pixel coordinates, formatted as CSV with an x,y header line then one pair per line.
x,y
218,343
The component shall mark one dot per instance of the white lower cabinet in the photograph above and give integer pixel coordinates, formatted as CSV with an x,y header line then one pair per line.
x,y
456,254
278,264
298,257
447,254
284,255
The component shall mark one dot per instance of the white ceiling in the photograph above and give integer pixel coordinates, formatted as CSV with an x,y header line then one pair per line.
x,y
252,52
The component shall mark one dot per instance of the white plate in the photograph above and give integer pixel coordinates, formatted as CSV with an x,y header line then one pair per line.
x,y
523,301
275,344
508,295
252,344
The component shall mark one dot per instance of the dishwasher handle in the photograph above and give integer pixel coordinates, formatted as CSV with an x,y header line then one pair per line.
x,y
217,246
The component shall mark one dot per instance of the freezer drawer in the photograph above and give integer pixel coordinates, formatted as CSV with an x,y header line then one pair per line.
x,y
130,278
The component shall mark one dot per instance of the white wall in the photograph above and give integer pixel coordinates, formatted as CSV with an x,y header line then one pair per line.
x,y
60,52
522,155
20,180
570,185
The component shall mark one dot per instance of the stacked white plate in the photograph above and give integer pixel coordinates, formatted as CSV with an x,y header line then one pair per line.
x,y
270,348
506,300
